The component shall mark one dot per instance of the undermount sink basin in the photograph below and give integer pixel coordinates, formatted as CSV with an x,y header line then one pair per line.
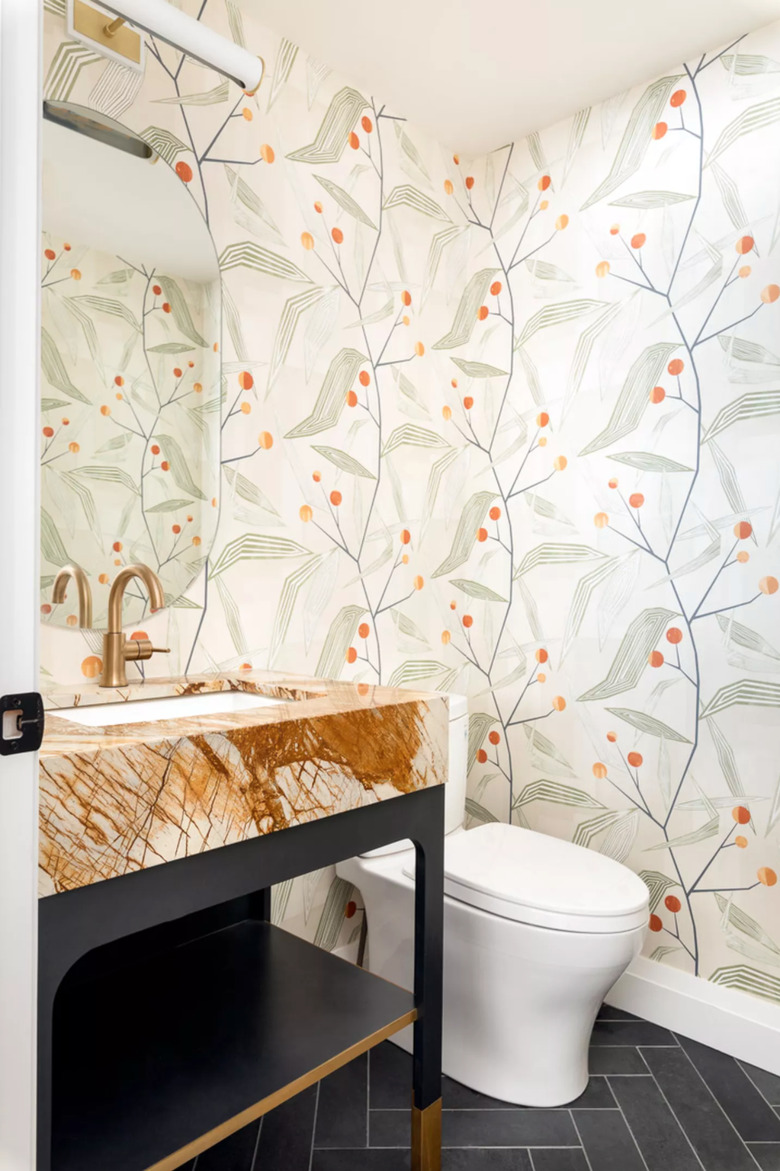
x,y
173,707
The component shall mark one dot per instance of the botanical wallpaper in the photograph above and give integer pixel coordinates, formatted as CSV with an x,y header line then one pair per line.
x,y
504,426
130,425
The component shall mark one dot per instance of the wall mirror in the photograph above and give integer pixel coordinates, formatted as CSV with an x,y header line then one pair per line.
x,y
130,386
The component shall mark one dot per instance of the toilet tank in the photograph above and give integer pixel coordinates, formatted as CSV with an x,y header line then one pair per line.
x,y
455,789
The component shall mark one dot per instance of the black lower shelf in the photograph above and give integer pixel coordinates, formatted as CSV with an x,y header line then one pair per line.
x,y
169,1057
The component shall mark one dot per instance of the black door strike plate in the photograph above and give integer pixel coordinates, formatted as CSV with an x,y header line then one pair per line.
x,y
23,733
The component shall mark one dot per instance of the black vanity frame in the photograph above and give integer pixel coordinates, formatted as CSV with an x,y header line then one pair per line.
x,y
151,915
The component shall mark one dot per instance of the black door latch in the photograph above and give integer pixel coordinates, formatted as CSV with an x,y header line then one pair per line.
x,y
21,723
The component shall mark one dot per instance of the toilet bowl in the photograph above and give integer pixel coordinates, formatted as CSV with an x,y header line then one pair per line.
x,y
536,931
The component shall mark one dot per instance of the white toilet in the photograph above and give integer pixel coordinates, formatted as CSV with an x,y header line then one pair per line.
x,y
536,931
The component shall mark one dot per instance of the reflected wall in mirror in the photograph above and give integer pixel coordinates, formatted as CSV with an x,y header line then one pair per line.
x,y
131,393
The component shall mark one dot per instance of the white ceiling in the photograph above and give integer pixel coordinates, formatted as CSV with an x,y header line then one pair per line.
x,y
477,74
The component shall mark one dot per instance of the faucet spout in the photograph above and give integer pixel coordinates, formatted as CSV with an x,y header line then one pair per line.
x,y
60,589
117,651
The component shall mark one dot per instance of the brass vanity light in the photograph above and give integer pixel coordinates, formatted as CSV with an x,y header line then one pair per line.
x,y
118,650
60,588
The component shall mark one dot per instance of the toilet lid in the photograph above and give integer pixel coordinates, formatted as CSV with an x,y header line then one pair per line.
x,y
545,881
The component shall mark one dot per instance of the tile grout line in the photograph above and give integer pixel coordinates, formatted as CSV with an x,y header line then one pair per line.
x,y
582,1144
756,1087
633,1136
314,1125
257,1146
683,1131
718,1104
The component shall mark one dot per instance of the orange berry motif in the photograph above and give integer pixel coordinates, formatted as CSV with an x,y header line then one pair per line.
x,y
468,621
599,770
744,245
635,759
740,814
674,635
673,904
655,923
655,659
364,630
639,240
657,394
659,130
677,98
766,876
676,366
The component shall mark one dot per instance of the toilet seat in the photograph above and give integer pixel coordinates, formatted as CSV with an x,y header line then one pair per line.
x,y
543,881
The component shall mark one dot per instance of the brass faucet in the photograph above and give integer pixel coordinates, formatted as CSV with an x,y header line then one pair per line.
x,y
117,648
60,588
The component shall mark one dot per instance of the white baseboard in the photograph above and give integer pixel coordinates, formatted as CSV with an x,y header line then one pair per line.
x,y
734,1022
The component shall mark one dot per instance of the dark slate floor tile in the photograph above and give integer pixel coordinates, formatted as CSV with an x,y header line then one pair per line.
x,y
630,1033
562,1159
389,1128
480,1128
342,1113
711,1134
754,1120
456,1096
767,1155
286,1134
653,1125
508,1128
232,1154
391,1077
357,1161
616,1060
608,1013
767,1083
597,1096
482,1159
607,1141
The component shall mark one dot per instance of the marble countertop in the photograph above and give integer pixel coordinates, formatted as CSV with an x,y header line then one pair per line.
x,y
126,797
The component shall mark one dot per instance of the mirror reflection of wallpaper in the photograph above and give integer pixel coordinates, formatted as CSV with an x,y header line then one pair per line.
x,y
130,424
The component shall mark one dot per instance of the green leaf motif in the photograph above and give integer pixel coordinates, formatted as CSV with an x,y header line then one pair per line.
x,y
740,921
748,122
478,369
744,351
410,435
645,723
657,884
212,97
293,584
629,663
331,139
435,254
478,812
637,138
708,830
111,308
332,396
757,405
743,636
256,547
345,462
345,201
645,461
293,311
285,59
634,395
558,314
748,64
52,548
164,143
259,259
557,794
180,466
747,979
588,831
586,587
475,589
54,369
729,193
647,200
745,693
170,506
556,553
480,724
413,671
339,638
407,196
109,475
170,348
466,533
466,315
585,344
246,490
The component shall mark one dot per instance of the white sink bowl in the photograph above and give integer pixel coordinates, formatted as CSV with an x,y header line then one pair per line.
x,y
173,707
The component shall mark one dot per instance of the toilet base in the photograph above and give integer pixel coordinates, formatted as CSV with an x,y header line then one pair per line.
x,y
519,1001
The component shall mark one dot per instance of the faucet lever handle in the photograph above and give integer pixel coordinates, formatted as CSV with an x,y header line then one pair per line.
x,y
161,650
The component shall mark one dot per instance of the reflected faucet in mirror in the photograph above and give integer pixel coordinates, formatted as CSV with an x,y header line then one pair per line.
x,y
60,589
118,650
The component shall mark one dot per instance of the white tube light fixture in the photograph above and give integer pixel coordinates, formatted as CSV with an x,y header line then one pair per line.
x,y
168,24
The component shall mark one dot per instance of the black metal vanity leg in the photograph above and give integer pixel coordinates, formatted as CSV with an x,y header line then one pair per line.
x,y
260,905
428,955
